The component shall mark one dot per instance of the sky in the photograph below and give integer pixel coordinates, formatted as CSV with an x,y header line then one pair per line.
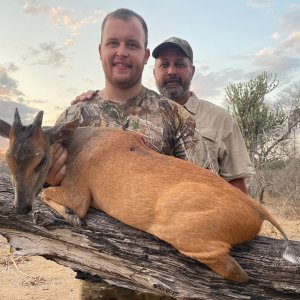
x,y
49,49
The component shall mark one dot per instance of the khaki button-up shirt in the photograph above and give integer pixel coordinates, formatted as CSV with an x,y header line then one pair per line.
x,y
221,148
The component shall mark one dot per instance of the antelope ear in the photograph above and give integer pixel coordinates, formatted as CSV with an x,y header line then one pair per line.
x,y
17,120
61,132
38,120
4,129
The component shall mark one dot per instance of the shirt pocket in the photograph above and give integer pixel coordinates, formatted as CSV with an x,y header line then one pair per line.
x,y
207,150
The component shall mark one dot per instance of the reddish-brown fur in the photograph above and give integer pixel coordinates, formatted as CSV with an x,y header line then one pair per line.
x,y
194,210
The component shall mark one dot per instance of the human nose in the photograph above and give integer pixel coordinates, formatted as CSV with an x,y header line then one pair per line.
x,y
122,51
172,70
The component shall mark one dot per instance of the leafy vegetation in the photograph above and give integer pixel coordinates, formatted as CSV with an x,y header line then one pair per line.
x,y
270,133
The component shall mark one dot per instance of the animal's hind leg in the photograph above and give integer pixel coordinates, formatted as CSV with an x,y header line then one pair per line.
x,y
228,268
215,256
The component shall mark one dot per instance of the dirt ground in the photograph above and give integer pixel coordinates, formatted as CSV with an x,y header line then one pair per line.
x,y
23,278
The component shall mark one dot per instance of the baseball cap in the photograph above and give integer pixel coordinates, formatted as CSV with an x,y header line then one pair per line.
x,y
181,44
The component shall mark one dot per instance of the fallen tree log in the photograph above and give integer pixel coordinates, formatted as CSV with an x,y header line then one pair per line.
x,y
126,257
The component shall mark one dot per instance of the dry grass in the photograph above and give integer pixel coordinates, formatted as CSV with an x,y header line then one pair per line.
x,y
288,216
34,277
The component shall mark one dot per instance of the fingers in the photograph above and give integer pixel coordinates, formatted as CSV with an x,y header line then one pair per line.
x,y
57,171
89,95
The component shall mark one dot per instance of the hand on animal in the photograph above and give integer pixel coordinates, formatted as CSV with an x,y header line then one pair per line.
x,y
57,171
87,96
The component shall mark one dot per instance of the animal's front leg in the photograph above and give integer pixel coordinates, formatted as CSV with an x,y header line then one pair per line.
x,y
56,193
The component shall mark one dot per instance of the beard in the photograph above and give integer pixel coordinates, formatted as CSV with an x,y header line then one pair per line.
x,y
175,93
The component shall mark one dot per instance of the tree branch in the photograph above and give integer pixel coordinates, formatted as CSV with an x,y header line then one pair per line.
x,y
127,257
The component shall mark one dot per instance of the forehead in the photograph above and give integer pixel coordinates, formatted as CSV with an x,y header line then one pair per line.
x,y
172,53
130,29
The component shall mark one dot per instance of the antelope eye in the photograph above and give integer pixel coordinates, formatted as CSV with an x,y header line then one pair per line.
x,y
40,165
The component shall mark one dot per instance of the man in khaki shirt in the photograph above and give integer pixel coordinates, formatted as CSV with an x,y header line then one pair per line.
x,y
222,148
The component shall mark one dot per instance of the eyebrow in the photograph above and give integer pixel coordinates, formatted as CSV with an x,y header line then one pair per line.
x,y
183,59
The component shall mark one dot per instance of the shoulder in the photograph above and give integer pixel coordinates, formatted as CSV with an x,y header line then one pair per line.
x,y
208,114
69,114
87,112
162,101
218,111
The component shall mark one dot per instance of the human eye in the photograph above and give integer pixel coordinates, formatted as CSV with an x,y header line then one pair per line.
x,y
164,65
112,43
180,64
132,45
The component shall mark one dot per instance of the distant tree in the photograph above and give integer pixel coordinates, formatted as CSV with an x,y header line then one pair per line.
x,y
265,127
289,101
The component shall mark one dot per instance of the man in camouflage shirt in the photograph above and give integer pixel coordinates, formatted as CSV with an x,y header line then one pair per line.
x,y
123,102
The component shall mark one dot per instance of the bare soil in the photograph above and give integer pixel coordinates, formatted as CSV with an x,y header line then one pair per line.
x,y
23,278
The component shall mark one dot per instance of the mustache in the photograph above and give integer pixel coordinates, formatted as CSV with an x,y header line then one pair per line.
x,y
172,79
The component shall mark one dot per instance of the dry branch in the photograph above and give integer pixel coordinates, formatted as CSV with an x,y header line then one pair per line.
x,y
127,257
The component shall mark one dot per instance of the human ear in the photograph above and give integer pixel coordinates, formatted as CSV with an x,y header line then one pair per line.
x,y
99,50
147,55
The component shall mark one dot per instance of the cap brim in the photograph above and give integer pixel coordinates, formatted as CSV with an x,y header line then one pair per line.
x,y
162,46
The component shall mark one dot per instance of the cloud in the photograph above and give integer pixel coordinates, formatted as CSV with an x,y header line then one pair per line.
x,y
275,36
89,80
276,61
290,21
283,58
211,85
35,8
292,42
7,110
11,97
8,85
46,54
64,18
260,3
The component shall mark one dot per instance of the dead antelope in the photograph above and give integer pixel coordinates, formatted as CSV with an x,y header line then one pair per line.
x,y
189,207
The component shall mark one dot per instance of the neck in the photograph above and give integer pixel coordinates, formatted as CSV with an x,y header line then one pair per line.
x,y
120,95
183,100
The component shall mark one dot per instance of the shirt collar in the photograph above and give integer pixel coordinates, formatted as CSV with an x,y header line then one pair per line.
x,y
192,104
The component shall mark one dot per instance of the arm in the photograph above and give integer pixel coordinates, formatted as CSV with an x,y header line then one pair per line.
x,y
235,164
240,184
57,171
186,136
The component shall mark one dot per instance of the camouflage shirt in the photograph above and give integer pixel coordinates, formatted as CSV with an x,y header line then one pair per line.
x,y
165,125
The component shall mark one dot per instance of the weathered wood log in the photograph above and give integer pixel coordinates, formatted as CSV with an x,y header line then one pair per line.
x,y
127,257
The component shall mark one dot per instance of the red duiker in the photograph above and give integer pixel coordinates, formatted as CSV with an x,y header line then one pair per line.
x,y
112,170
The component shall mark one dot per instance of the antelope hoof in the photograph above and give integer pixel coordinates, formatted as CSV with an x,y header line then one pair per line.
x,y
72,218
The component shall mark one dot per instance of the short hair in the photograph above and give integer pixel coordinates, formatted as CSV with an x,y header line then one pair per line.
x,y
125,15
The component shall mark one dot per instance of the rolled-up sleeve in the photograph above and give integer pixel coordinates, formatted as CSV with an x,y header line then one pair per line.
x,y
235,162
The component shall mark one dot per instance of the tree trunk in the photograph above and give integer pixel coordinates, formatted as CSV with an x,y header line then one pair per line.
x,y
126,257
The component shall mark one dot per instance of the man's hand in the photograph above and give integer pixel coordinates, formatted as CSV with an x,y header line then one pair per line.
x,y
87,96
57,171
240,184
